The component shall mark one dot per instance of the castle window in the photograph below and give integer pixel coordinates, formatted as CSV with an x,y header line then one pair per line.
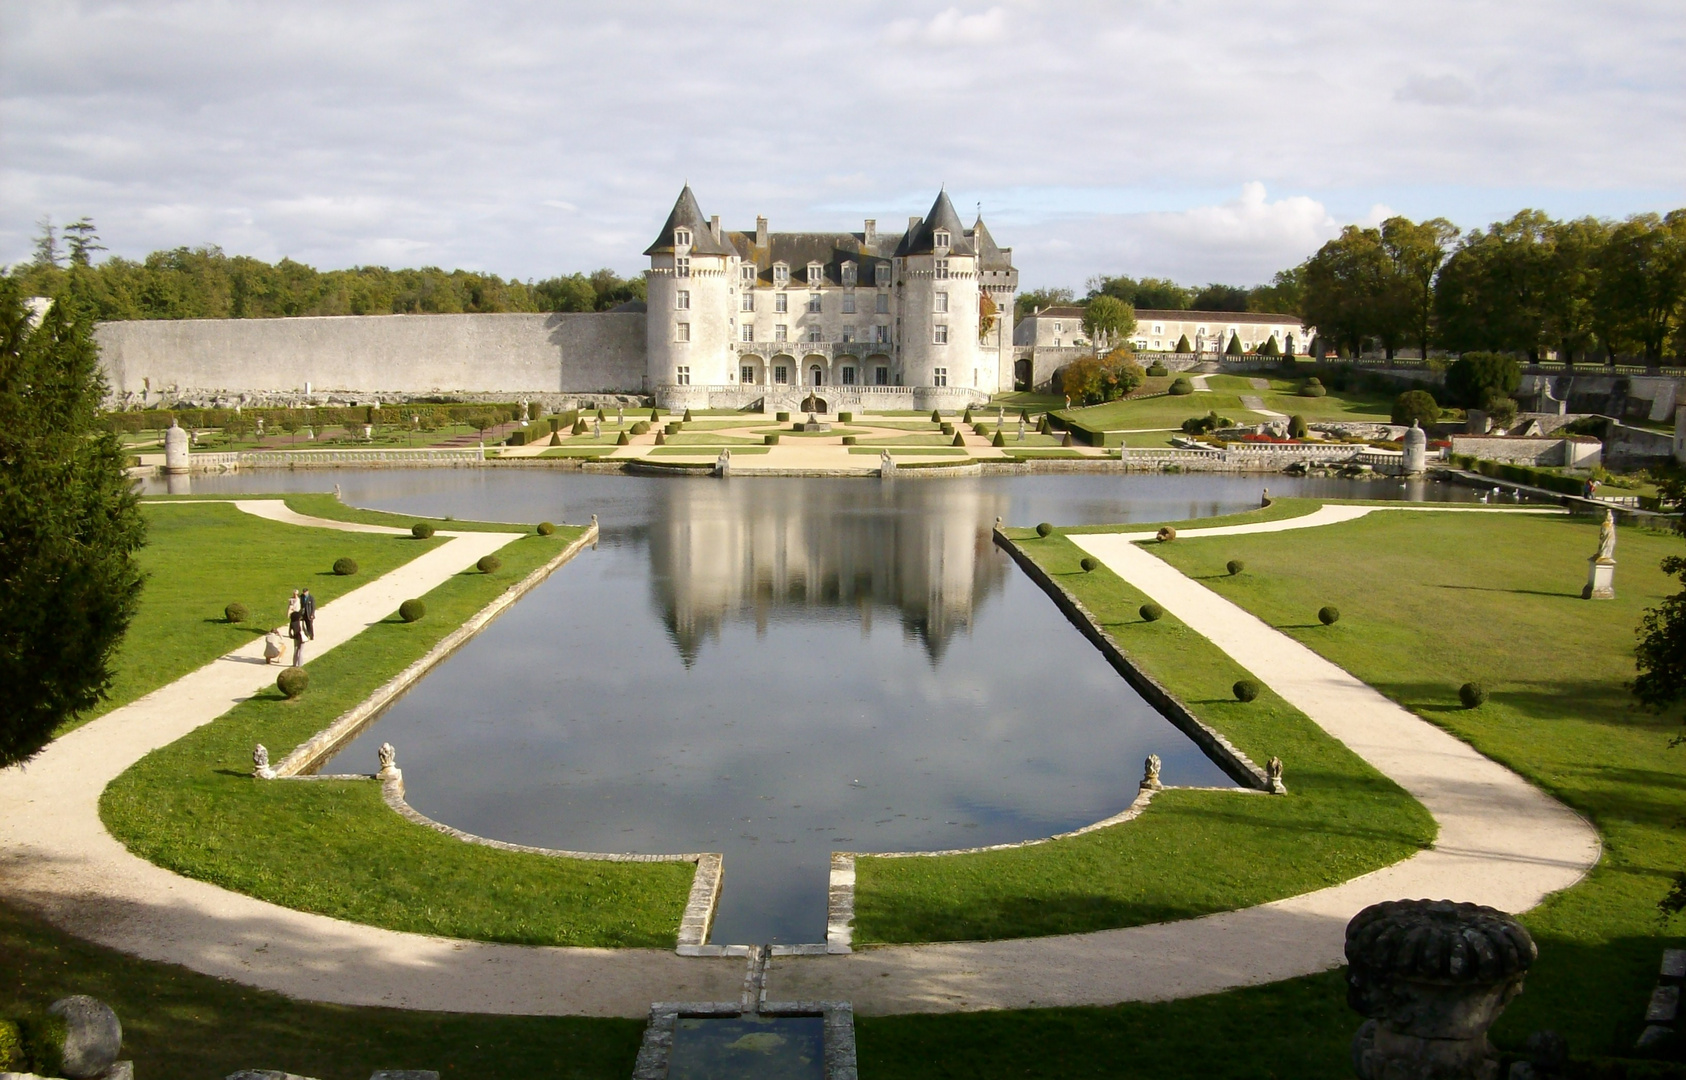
x,y
939,376
748,301
940,272
781,274
940,238
882,334
682,266
814,307
1158,329
816,274
848,303
781,332
881,376
781,302
815,334
848,333
848,376
881,275
682,332
746,375
849,274
747,273
749,331
684,375
942,302
682,238
682,299
781,374
939,334
882,307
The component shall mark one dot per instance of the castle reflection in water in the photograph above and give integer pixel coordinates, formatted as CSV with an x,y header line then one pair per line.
x,y
764,550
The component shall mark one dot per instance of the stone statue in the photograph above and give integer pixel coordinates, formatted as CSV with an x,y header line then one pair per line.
x,y
886,464
176,457
1021,428
1432,976
1150,774
1273,774
388,757
1601,568
723,464
260,763
1607,537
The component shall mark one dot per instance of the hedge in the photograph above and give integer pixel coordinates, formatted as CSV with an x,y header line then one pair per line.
x,y
1521,474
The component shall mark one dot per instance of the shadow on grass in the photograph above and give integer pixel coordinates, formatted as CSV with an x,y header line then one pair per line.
x,y
1519,592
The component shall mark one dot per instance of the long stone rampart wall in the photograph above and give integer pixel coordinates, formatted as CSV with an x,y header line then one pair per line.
x,y
145,360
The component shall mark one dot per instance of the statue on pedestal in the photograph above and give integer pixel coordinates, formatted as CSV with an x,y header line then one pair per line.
x,y
1601,568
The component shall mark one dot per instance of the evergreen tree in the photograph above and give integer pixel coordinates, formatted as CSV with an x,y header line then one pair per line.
x,y
69,525
1234,348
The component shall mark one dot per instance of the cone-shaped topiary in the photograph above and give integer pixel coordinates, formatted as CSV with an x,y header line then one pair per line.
x,y
1184,345
1088,564
936,417
345,567
661,438
1065,440
623,439
998,440
686,417
1270,348
600,415
1235,566
1472,694
1151,612
1234,347
411,610
966,417
654,416
489,564
292,681
546,528
1329,616
236,612
1044,428
421,530
1245,689
1024,415
959,440
556,438
1044,529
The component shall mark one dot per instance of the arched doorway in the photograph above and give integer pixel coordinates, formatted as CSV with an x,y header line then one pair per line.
x,y
816,375
813,403
1021,375
752,371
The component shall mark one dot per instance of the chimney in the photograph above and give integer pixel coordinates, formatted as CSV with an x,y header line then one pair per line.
x,y
760,232
871,231
714,227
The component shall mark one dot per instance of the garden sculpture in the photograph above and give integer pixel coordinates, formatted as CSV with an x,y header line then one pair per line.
x,y
1601,568
1150,774
1273,774
260,763
1607,536
388,757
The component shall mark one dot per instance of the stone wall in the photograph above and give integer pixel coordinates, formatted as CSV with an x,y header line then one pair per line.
x,y
517,354
1522,450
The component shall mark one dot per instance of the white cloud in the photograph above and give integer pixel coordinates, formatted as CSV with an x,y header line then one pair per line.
x,y
1436,90
951,27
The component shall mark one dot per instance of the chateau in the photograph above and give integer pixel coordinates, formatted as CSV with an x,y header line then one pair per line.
x,y
735,317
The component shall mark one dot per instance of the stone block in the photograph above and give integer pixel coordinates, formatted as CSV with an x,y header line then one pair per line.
x,y
1665,1005
1674,966
92,1036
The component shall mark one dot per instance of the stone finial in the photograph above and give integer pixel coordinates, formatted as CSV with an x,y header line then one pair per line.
x,y
1432,976
1273,776
1150,774
260,763
388,758
997,522
93,1036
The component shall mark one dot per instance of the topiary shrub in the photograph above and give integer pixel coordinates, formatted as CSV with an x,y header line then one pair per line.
x,y
1329,616
623,439
1472,694
1158,370
236,613
781,417
1065,440
845,417
1245,689
1088,564
421,530
1165,534
1151,612
1044,530
661,438
546,528
489,564
411,610
1235,566
672,427
959,440
686,417
1313,388
641,428
998,440
936,417
966,417
1296,427
344,567
655,415
579,427
947,428
292,681
1181,387
770,440
555,438
600,415
848,440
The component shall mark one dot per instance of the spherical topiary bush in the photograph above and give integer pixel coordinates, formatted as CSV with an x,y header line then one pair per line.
x,y
1245,689
1088,564
1044,530
1329,616
489,564
641,428
1472,694
411,610
345,567
1158,370
421,530
292,681
1152,612
1313,388
546,528
1235,566
236,612
1165,534
1181,387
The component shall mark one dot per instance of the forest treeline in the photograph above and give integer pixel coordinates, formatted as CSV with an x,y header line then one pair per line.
x,y
206,283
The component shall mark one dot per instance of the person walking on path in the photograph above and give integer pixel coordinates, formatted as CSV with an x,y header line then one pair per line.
x,y
307,608
295,627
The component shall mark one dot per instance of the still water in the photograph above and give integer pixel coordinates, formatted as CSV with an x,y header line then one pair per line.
x,y
779,668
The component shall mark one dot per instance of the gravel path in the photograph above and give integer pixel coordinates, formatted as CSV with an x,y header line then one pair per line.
x,y
1256,404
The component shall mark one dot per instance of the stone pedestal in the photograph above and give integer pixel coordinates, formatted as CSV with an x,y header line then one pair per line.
x,y
176,459
1600,579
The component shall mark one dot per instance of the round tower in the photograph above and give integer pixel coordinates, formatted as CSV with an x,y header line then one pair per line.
x,y
937,293
690,289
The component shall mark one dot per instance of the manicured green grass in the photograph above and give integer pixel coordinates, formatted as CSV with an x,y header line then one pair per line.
x,y
595,450
1356,405
334,847
200,558
912,451
789,434
1158,412
181,1025
1034,452
1193,852
706,451
322,505
1430,601
1015,400
930,438
688,438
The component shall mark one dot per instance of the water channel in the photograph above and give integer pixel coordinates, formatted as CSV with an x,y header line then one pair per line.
x,y
779,668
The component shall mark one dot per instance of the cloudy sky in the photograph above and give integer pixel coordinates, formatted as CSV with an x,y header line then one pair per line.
x,y
1216,140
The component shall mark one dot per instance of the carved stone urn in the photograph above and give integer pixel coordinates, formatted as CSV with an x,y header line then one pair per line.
x,y
1432,975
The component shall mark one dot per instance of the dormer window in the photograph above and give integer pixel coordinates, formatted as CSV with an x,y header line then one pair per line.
x,y
816,274
747,273
682,238
940,238
781,274
882,275
849,274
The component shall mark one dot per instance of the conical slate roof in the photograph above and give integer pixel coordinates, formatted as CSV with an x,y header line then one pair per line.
x,y
990,255
687,214
942,216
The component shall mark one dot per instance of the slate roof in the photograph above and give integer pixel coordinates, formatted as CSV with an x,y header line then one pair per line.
x,y
687,213
830,250
1071,311
990,256
919,240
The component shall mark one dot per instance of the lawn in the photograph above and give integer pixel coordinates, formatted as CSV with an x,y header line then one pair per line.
x,y
1132,414
201,557
706,451
335,848
1430,601
1192,852
913,451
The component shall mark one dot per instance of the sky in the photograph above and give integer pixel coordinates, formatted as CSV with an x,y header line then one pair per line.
x,y
1204,140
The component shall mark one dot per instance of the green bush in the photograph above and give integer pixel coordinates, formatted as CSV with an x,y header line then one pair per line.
x,y
11,1048
1235,566
1184,346
998,440
1234,346
1329,615
579,427
1245,690
1088,564
845,417
292,681
1151,612
344,567
555,439
489,564
1269,348
41,1043
516,438
661,438
672,428
686,417
770,440
421,530
236,612
960,440
1472,694
936,417
1044,530
1158,370
642,427
966,417
848,440
1476,376
947,428
546,528
623,439
1296,427
411,610
781,417
1313,387
1415,405
1181,387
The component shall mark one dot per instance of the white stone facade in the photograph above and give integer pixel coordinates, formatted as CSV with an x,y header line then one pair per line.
x,y
1208,332
745,315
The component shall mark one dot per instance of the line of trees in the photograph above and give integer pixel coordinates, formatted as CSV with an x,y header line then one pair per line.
x,y
205,283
